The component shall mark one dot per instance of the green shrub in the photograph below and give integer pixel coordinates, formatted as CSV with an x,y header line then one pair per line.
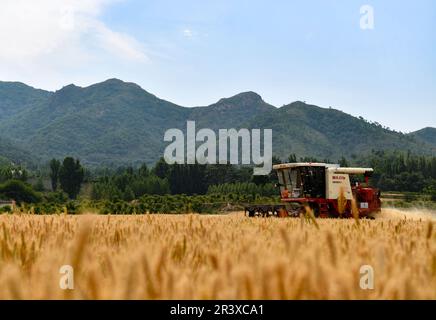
x,y
5,209
19,191
72,207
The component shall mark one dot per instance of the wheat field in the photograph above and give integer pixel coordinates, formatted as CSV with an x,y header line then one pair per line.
x,y
216,257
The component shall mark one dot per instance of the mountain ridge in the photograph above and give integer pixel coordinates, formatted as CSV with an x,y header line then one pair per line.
x,y
17,96
427,135
117,122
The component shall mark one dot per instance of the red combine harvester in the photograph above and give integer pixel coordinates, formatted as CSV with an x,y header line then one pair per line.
x,y
327,189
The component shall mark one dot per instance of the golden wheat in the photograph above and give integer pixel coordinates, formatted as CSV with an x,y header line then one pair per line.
x,y
215,257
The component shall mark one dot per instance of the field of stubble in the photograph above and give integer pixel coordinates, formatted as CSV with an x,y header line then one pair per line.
x,y
216,257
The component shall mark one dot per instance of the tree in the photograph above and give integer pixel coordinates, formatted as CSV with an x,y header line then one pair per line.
x,y
13,173
55,166
19,191
39,185
71,176
292,158
431,190
162,169
143,171
343,162
188,179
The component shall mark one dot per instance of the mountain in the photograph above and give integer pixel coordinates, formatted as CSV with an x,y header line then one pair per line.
x,y
16,97
116,122
11,153
309,130
108,122
427,135
230,112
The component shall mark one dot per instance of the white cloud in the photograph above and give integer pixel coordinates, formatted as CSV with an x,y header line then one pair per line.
x,y
120,44
187,33
51,34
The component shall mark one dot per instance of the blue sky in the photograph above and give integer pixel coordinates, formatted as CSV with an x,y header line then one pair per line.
x,y
196,52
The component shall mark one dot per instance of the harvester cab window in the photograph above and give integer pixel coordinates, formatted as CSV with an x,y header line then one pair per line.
x,y
313,181
302,181
294,178
296,183
288,180
280,176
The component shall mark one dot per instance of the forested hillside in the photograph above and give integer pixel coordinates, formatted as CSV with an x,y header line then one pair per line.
x,y
118,123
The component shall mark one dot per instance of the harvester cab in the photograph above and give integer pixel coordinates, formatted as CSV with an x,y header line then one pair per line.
x,y
327,189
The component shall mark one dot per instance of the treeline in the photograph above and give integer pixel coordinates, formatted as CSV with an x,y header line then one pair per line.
x,y
129,183
397,171
394,171
177,204
244,188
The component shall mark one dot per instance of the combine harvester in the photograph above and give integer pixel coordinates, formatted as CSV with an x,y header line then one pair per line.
x,y
327,189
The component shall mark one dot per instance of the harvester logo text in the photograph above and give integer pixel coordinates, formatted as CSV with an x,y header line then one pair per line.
x,y
338,178
206,152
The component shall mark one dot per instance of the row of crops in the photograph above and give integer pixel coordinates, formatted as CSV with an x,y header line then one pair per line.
x,y
171,204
